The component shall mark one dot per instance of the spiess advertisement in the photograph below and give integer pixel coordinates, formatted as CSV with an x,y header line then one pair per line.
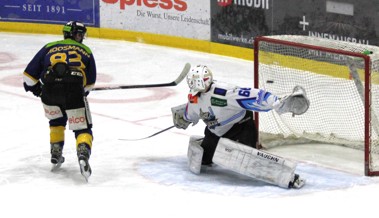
x,y
50,11
183,18
237,22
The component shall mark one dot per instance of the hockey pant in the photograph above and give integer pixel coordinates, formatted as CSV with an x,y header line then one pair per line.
x,y
65,102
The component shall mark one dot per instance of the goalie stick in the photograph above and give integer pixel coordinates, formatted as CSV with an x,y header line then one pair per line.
x,y
183,74
164,130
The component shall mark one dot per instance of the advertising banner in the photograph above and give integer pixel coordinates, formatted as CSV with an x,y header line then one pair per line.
x,y
50,11
237,22
182,18
344,20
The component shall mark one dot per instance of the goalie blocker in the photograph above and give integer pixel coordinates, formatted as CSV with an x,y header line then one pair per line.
x,y
247,161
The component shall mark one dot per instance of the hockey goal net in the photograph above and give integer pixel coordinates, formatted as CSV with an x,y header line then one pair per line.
x,y
342,83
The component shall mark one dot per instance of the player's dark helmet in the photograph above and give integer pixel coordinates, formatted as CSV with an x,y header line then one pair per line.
x,y
72,28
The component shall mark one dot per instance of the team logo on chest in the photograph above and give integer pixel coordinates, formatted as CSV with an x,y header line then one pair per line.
x,y
218,102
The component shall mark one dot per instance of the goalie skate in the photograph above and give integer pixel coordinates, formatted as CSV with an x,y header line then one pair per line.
x,y
297,182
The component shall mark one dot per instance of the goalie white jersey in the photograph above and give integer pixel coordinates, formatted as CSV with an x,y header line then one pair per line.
x,y
225,104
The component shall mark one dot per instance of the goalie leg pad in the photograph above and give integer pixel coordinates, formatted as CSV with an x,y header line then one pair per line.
x,y
195,154
254,163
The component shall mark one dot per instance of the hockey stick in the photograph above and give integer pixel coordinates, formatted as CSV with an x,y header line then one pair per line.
x,y
183,74
164,130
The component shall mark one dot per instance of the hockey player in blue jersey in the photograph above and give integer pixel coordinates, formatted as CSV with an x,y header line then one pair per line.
x,y
63,73
230,136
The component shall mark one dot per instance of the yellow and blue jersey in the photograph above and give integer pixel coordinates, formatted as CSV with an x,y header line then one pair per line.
x,y
77,55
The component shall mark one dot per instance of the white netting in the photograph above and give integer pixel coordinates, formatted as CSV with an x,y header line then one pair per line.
x,y
337,112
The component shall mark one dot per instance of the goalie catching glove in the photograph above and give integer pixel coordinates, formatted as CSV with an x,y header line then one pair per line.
x,y
178,117
296,103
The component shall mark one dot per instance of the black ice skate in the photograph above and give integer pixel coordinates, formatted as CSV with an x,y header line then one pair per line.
x,y
84,153
297,182
56,156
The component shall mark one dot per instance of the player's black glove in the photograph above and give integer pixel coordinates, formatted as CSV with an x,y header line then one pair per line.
x,y
36,89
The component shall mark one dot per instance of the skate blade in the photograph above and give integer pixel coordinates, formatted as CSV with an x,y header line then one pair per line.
x,y
57,165
85,173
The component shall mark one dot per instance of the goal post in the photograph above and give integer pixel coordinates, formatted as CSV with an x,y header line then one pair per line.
x,y
342,82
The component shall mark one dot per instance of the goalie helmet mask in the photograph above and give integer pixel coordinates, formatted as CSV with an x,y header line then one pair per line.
x,y
199,79
74,30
